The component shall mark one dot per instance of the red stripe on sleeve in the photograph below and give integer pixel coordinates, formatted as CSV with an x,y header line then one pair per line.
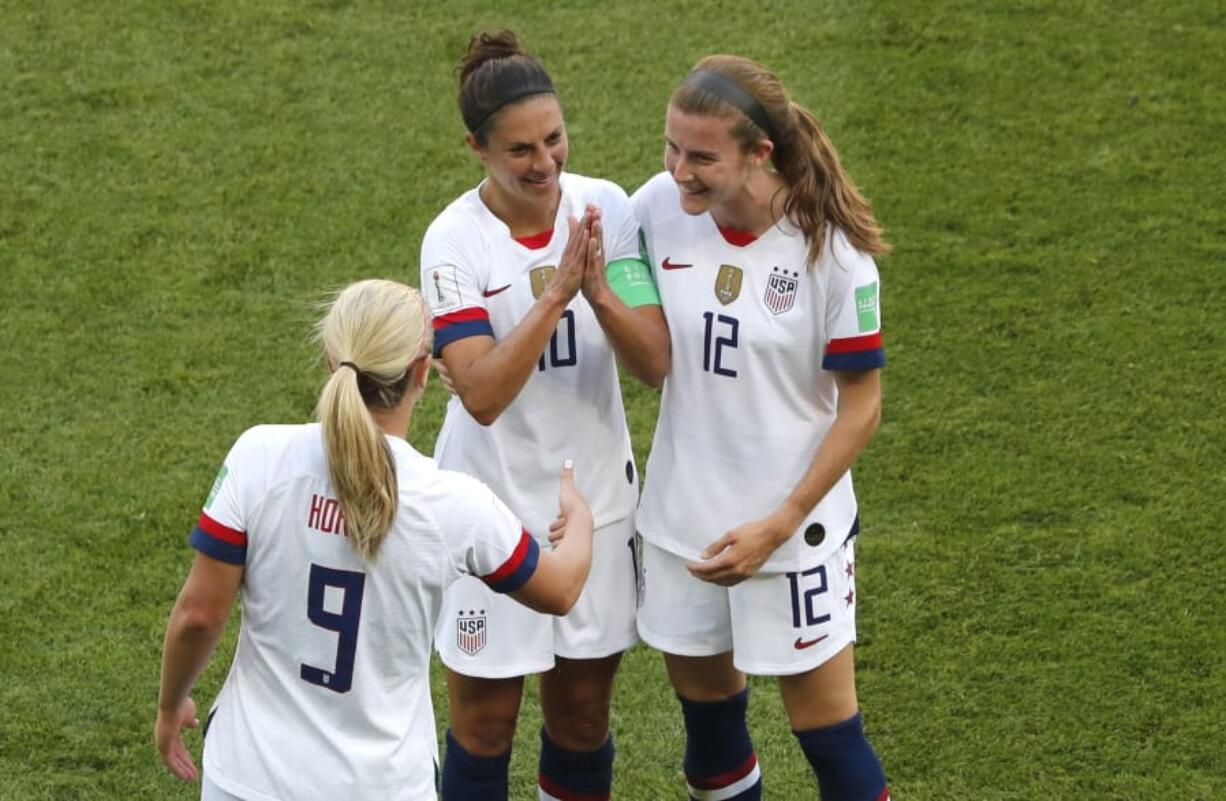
x,y
512,563
461,316
855,344
223,533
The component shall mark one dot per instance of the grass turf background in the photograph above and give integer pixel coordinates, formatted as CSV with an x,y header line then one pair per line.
x,y
1042,559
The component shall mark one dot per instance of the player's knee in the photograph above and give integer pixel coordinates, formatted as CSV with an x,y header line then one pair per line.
x,y
583,727
484,734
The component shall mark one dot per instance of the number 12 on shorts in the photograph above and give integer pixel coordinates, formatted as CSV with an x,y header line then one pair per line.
x,y
351,585
803,613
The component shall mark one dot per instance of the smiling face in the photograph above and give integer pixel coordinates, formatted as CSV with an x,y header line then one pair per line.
x,y
524,152
710,167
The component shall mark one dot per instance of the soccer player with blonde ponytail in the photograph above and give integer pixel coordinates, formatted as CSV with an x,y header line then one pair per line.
x,y
341,539
762,248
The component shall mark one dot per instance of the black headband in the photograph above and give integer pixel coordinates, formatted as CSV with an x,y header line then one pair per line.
x,y
735,95
507,98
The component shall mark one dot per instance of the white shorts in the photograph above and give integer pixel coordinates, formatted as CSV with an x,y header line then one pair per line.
x,y
484,634
775,624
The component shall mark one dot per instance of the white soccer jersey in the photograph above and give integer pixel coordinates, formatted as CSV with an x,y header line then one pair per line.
x,y
477,280
328,695
755,336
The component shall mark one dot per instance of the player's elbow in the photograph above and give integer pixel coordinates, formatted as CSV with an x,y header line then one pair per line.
x,y
199,619
658,370
483,410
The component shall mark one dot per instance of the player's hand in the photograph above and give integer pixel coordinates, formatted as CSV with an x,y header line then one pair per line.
x,y
741,552
444,375
595,283
568,278
168,736
571,503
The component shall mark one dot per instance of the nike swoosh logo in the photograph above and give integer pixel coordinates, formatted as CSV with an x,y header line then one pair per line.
x,y
672,265
800,644
489,293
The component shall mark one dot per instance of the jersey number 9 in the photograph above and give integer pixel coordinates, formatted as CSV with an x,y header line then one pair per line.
x,y
345,623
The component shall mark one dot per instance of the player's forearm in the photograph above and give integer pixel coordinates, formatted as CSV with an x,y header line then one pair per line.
x,y
639,336
190,640
492,382
852,430
574,555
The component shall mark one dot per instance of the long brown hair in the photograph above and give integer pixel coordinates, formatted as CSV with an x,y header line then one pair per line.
x,y
818,190
373,335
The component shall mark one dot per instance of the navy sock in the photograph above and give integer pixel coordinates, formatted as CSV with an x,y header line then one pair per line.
x,y
575,775
720,762
846,766
473,778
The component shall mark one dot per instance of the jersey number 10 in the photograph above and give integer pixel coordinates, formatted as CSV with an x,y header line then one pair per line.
x,y
556,359
345,623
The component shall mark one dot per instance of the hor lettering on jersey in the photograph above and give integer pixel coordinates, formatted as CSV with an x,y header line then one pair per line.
x,y
470,632
326,516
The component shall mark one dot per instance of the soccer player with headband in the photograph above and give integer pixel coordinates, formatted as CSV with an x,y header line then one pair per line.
x,y
341,539
537,289
762,249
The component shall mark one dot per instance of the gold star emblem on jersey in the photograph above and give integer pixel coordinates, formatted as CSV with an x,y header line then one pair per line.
x,y
541,276
728,283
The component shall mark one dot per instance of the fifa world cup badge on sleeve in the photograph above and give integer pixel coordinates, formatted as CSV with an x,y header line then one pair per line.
x,y
728,283
442,289
470,631
781,290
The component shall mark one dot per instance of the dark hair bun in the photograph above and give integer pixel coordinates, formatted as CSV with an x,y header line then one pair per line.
x,y
494,74
485,47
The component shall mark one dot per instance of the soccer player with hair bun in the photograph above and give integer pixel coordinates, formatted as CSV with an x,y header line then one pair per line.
x,y
762,248
537,289
340,539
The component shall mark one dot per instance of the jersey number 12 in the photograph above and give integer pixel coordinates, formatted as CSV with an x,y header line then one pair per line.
x,y
713,346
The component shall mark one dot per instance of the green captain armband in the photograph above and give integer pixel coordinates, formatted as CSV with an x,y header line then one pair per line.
x,y
631,280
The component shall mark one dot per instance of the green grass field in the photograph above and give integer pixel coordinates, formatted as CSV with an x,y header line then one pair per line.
x,y
1043,559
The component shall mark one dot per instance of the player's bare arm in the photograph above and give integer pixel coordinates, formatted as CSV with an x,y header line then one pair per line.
x,y
639,335
488,374
195,626
742,551
561,573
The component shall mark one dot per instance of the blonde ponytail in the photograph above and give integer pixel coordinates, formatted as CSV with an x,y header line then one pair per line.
x,y
372,335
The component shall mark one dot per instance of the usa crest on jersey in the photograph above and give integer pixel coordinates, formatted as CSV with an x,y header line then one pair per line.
x,y
781,290
470,632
